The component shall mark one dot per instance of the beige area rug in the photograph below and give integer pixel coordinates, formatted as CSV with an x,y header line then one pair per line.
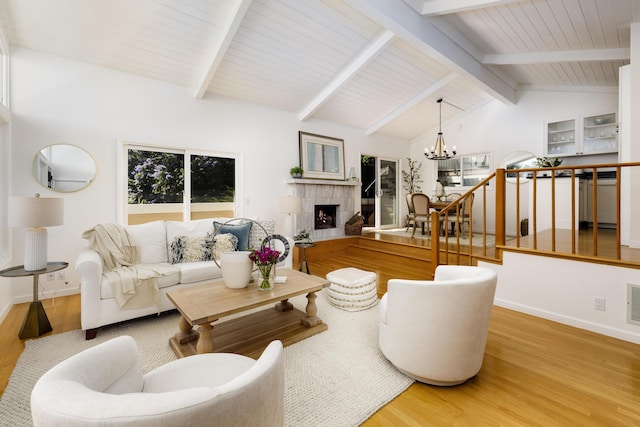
x,y
464,240
336,378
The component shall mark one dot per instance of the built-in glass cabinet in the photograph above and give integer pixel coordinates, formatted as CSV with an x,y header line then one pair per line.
x,y
561,138
596,135
600,134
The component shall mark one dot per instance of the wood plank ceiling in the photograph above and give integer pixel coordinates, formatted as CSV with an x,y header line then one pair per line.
x,y
377,65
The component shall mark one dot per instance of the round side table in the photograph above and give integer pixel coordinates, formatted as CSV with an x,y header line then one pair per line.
x,y
36,322
303,264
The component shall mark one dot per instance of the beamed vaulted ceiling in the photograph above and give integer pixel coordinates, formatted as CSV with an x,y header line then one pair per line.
x,y
377,65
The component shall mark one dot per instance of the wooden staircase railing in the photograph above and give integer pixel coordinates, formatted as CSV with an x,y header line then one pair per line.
x,y
454,209
491,247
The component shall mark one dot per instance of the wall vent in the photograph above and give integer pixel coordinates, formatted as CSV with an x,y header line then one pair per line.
x,y
633,304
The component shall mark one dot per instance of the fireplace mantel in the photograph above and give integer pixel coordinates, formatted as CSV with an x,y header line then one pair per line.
x,y
322,182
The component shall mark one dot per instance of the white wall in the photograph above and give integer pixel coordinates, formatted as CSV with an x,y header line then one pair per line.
x,y
56,100
633,151
5,249
564,291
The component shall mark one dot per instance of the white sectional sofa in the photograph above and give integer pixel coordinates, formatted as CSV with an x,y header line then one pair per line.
x,y
98,305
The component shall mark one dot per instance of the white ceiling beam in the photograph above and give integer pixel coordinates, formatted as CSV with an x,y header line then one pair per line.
x,y
422,34
621,54
411,103
347,73
446,7
568,88
235,18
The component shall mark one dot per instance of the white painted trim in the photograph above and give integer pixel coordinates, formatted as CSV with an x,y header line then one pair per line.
x,y
571,321
568,88
411,103
422,34
55,293
357,63
446,7
212,64
621,54
5,311
122,183
20,299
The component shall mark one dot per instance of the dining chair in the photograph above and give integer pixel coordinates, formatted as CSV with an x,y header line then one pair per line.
x,y
453,196
420,203
462,216
411,215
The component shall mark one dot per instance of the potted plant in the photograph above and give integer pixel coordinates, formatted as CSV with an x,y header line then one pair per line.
x,y
411,180
296,172
545,162
302,236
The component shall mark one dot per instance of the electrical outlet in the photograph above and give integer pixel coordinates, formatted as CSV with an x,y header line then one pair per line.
x,y
51,277
598,303
60,275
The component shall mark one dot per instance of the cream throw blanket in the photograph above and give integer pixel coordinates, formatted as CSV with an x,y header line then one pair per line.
x,y
133,284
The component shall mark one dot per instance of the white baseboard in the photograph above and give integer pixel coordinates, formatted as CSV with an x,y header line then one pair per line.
x,y
47,294
28,298
571,321
5,311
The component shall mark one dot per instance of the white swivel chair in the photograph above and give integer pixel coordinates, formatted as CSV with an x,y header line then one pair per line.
x,y
104,385
436,331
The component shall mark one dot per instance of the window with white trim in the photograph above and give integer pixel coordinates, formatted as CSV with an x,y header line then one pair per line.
x,y
179,184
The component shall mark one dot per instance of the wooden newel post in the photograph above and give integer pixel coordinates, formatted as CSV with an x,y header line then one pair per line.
x,y
501,203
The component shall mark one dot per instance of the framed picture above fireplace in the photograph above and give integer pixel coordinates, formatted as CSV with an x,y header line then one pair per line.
x,y
321,156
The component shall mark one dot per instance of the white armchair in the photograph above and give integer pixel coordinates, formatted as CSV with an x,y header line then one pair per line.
x,y
104,385
436,331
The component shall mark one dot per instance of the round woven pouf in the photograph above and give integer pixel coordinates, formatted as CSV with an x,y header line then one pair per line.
x,y
352,289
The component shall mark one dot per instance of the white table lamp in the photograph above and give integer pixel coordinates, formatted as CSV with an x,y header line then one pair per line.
x,y
35,213
290,206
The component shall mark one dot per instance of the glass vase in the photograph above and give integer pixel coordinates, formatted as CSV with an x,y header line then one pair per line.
x,y
266,282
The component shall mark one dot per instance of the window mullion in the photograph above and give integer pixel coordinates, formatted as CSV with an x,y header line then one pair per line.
x,y
187,186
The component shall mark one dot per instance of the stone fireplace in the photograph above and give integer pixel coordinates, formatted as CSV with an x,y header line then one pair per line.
x,y
314,193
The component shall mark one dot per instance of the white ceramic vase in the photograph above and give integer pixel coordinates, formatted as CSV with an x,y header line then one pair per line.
x,y
236,268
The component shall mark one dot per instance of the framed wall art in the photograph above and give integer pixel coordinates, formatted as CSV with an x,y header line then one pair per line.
x,y
321,157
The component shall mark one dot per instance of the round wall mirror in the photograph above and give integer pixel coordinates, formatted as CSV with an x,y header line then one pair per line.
x,y
63,168
519,160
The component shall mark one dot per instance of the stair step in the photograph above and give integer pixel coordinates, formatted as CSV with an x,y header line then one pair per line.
x,y
398,249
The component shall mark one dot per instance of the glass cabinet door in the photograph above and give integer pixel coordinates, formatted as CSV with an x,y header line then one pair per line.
x,y
600,134
561,138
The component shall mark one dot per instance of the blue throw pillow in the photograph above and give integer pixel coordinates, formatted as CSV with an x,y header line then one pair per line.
x,y
241,231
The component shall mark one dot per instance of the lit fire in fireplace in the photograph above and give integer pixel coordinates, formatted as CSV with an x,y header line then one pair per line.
x,y
325,216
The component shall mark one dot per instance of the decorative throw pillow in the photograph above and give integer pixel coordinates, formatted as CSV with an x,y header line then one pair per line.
x,y
225,242
257,234
241,231
191,249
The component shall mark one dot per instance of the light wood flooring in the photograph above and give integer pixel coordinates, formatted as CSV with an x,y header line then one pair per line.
x,y
602,245
535,372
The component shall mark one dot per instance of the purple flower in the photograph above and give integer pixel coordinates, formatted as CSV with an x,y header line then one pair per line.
x,y
264,256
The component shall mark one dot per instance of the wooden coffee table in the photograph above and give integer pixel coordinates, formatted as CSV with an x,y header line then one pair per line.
x,y
250,334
